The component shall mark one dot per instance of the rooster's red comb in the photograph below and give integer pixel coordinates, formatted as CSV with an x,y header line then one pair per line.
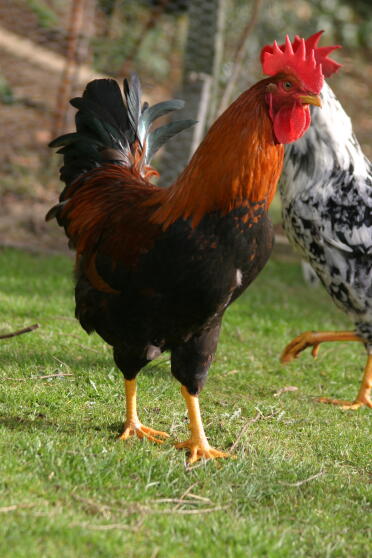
x,y
301,57
321,54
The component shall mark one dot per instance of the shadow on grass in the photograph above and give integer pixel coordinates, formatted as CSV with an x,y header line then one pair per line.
x,y
41,423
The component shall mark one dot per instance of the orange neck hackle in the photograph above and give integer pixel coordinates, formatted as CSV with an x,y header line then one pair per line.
x,y
237,164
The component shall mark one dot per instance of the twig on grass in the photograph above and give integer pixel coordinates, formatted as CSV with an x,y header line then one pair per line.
x,y
259,416
111,526
186,493
46,377
202,498
20,331
192,500
299,483
61,362
104,509
191,512
146,509
15,507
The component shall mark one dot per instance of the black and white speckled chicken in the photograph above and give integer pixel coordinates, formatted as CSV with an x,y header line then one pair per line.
x,y
326,192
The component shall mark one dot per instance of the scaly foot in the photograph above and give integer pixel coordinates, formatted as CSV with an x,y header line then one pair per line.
x,y
136,428
348,405
200,449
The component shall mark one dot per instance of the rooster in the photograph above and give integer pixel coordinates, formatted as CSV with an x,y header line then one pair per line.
x,y
326,191
156,268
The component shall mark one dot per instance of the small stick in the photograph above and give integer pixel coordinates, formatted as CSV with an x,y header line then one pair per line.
x,y
202,498
258,417
7,509
50,376
175,501
20,331
299,483
191,512
36,377
184,494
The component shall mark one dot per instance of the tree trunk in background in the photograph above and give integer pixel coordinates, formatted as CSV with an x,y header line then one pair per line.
x,y
83,54
64,90
202,55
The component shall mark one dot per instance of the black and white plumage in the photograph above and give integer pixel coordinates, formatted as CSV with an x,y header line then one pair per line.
x,y
326,192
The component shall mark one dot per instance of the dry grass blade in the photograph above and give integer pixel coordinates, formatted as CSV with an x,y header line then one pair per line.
x,y
258,417
176,501
15,507
110,526
46,377
185,493
192,512
20,331
304,481
107,510
94,507
202,498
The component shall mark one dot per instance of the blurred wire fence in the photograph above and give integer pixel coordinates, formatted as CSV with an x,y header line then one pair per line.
x,y
204,51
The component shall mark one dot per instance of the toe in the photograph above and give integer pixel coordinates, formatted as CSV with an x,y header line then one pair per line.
x,y
155,432
346,405
199,450
142,431
193,457
151,434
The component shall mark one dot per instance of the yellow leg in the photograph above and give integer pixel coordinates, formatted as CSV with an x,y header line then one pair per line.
x,y
313,339
363,397
132,424
198,443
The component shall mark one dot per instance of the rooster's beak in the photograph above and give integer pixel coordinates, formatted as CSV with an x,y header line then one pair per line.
x,y
310,100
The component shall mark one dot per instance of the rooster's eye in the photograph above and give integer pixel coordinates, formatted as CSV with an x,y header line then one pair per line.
x,y
287,85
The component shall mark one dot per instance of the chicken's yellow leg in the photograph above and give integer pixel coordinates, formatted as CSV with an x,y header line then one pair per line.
x,y
132,424
198,443
363,397
313,339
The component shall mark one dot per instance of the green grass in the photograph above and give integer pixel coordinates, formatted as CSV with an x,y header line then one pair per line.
x,y
77,491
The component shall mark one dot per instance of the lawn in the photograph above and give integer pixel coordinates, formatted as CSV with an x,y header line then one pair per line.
x,y
68,488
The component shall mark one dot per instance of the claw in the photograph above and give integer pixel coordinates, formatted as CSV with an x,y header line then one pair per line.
x,y
201,450
299,344
315,350
142,431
